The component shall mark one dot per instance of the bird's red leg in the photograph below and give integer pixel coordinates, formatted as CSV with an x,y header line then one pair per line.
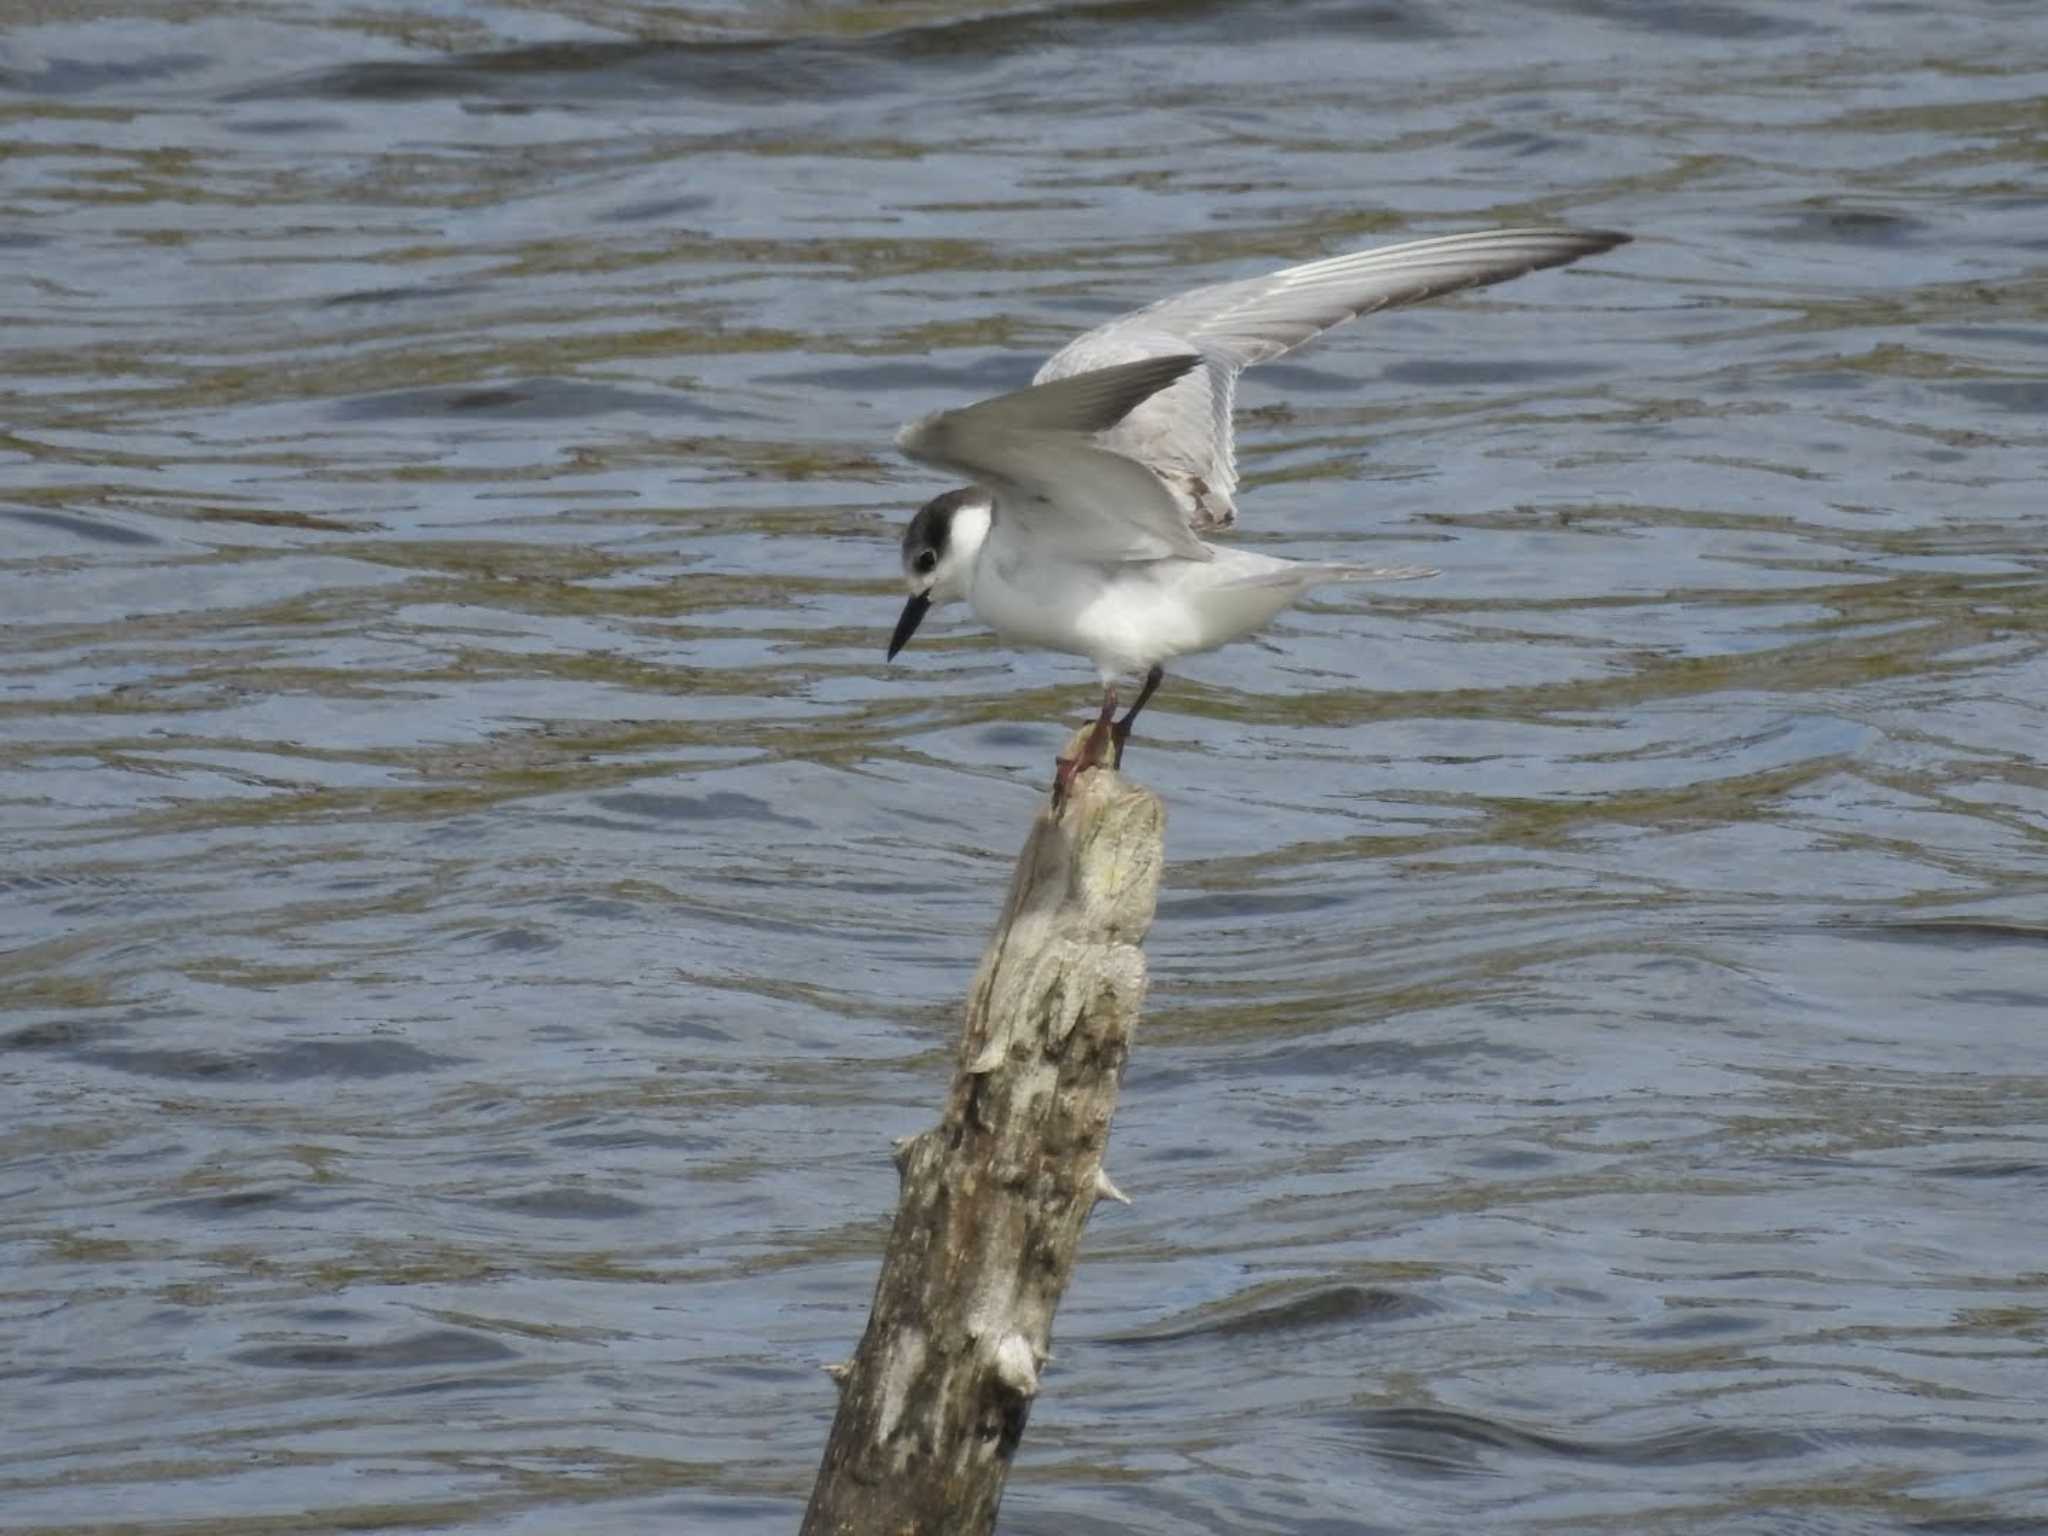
x,y
1098,740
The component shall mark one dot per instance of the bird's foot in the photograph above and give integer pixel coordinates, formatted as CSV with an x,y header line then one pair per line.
x,y
1063,771
1120,731
1092,747
1118,735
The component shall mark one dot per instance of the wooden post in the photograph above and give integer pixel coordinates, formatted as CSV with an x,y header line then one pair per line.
x,y
995,1196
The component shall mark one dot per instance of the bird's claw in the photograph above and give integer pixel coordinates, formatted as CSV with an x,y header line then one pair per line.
x,y
1063,771
1095,747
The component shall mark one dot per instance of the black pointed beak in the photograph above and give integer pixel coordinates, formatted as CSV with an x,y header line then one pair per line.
x,y
913,615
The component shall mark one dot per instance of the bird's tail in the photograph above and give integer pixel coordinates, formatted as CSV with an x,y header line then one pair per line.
x,y
1378,572
1301,575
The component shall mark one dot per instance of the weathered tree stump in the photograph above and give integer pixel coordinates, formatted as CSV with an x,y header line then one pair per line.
x,y
994,1197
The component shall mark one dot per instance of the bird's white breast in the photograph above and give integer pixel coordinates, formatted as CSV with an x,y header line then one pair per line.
x,y
1124,617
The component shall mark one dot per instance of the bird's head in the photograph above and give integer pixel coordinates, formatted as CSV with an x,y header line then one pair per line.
x,y
939,550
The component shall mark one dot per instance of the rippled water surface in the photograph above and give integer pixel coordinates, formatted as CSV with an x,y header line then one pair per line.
x,y
476,906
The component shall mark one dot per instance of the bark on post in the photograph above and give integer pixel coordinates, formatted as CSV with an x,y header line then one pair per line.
x,y
994,1198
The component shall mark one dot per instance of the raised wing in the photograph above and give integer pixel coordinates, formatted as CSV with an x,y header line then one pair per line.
x,y
1183,433
1038,449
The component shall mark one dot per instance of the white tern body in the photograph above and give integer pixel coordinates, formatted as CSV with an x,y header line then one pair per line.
x,y
1092,487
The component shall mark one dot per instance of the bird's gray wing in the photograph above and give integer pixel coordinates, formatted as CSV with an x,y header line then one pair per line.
x,y
1038,450
1183,433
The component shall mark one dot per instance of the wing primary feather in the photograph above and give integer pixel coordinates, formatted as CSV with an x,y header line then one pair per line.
x,y
1083,402
1184,432
1086,402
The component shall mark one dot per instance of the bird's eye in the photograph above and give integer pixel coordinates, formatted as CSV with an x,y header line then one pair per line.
x,y
926,561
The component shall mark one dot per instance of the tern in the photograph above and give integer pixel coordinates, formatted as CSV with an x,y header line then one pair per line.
x,y
1092,488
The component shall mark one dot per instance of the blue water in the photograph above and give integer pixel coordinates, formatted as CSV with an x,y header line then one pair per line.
x,y
475,905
